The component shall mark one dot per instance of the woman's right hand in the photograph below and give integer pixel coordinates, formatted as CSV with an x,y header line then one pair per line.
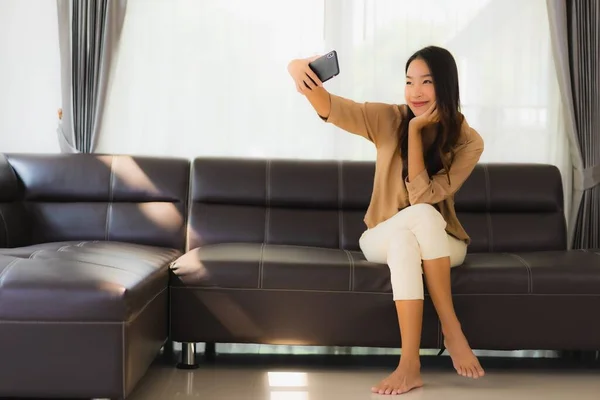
x,y
304,77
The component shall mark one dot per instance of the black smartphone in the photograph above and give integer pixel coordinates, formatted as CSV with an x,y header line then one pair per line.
x,y
326,66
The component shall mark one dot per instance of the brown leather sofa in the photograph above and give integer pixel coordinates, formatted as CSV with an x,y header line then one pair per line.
x,y
275,259
84,270
259,252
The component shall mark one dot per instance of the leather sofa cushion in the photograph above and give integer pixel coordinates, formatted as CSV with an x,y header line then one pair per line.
x,y
81,281
286,267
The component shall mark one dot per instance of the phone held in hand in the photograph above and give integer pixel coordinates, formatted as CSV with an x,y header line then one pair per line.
x,y
326,66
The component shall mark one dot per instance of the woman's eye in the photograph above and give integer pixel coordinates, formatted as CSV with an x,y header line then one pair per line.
x,y
428,81
408,83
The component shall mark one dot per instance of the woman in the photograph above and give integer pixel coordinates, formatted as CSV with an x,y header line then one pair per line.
x,y
425,151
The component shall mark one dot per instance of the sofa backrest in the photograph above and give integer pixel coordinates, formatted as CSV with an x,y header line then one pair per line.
x,y
14,227
96,197
503,207
513,207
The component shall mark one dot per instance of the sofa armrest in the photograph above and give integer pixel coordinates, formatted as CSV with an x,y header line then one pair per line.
x,y
14,222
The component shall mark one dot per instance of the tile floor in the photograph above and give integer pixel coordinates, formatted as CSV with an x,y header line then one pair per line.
x,y
256,376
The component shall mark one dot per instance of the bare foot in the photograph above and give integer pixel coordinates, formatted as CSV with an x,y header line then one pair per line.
x,y
465,362
404,379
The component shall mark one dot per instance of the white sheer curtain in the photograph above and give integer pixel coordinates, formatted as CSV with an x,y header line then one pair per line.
x,y
29,76
208,77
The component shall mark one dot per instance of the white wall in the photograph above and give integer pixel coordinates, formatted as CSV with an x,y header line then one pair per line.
x,y
29,76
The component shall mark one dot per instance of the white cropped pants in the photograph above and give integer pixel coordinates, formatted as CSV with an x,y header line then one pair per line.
x,y
414,234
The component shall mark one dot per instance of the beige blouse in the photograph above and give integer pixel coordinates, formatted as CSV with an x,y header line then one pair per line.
x,y
380,123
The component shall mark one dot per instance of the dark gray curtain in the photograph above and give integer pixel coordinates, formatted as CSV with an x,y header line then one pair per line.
x,y
89,32
575,32
584,43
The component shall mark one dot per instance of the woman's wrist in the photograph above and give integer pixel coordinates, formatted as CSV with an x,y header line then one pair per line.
x,y
413,127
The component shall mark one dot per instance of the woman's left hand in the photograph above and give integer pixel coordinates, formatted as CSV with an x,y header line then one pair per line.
x,y
429,117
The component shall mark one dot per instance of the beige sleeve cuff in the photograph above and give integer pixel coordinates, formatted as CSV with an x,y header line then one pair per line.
x,y
334,108
419,183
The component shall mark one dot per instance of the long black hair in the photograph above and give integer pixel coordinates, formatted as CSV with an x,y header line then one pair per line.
x,y
445,80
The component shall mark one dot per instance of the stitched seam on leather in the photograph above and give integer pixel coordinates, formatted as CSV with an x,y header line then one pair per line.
x,y
260,266
285,245
340,204
100,265
5,228
123,374
488,206
129,321
488,195
110,199
32,255
61,322
268,201
529,272
490,232
351,267
277,290
207,288
8,267
136,315
353,270
188,208
169,317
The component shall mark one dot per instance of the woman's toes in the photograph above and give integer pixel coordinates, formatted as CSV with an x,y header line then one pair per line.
x,y
480,369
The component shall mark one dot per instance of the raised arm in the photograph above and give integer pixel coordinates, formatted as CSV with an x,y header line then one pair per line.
x,y
308,84
373,121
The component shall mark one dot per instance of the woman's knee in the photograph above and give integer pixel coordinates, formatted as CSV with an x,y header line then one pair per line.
x,y
403,238
423,209
403,245
426,214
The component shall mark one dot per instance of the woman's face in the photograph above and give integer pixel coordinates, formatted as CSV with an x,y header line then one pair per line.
x,y
419,92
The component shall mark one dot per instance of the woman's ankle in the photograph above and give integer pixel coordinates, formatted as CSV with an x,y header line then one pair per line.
x,y
452,329
410,361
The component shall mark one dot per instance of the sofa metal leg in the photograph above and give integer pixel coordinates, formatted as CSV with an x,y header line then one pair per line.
x,y
210,351
188,356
